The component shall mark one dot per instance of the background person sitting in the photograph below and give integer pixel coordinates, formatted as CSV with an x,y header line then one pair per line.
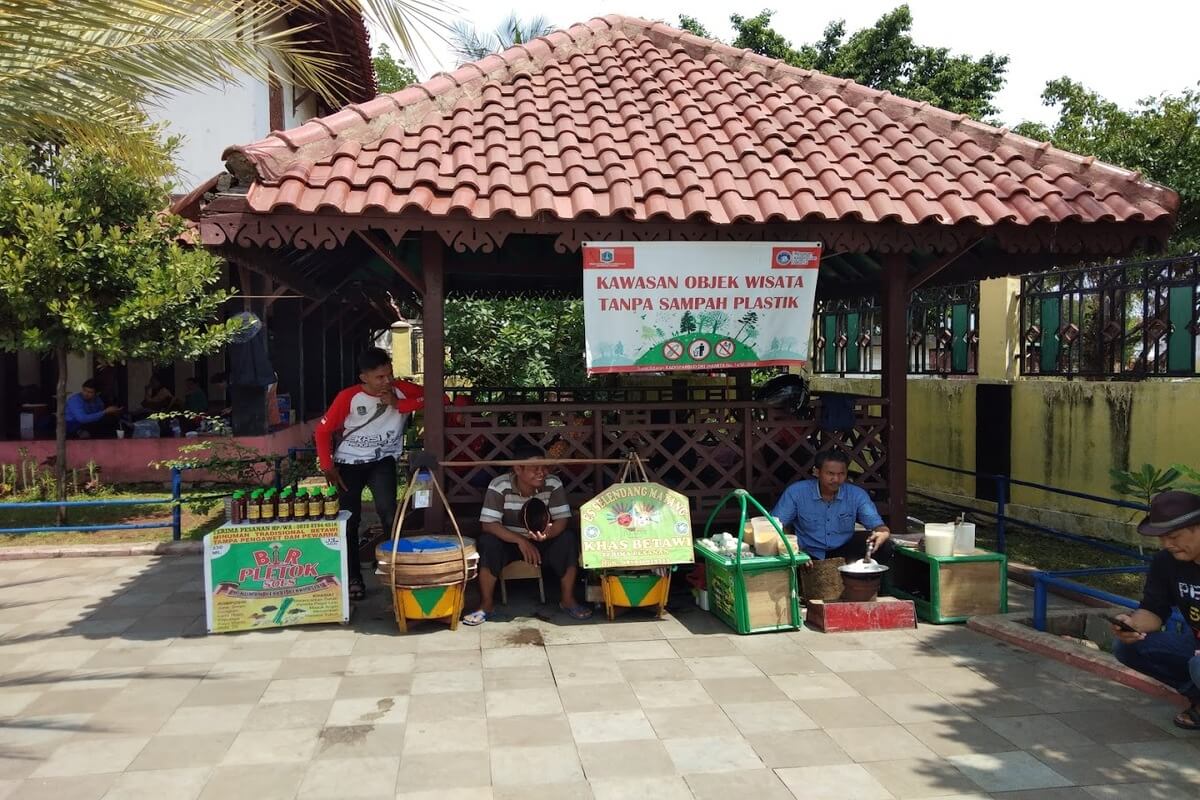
x,y
156,397
87,415
194,400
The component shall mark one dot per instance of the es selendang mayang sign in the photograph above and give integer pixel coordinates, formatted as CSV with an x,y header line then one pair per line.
x,y
635,525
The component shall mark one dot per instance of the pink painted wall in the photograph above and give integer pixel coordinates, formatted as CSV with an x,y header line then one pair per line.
x,y
128,460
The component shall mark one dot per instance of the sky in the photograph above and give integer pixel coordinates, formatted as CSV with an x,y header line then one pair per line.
x,y
1123,50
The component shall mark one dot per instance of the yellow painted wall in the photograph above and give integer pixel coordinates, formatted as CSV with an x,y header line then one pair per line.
x,y
1070,434
1064,434
403,363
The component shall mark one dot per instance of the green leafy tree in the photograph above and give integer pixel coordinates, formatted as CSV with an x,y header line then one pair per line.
x,y
88,262
522,341
1160,138
80,70
883,56
391,74
472,44
693,25
687,323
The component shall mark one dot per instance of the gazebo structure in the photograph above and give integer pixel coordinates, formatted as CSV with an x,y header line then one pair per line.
x,y
490,177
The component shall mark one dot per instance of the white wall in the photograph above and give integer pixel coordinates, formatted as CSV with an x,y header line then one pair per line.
x,y
209,120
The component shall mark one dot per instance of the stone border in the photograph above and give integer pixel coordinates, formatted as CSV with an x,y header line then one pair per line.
x,y
1007,628
91,550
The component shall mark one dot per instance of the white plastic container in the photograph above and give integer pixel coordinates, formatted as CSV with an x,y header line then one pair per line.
x,y
964,538
939,538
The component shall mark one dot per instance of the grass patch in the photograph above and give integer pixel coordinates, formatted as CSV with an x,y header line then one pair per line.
x,y
1040,550
194,524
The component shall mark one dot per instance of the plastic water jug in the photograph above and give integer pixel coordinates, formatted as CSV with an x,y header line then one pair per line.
x,y
939,538
964,538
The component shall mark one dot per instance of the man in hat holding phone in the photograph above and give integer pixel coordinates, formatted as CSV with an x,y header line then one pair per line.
x,y
1171,654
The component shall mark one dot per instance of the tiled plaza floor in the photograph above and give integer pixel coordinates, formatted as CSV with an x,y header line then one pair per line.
x,y
110,689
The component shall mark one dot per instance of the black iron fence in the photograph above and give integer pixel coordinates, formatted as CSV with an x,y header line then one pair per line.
x,y
943,333
1130,321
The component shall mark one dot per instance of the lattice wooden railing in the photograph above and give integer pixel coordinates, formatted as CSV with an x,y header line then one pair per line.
x,y
702,449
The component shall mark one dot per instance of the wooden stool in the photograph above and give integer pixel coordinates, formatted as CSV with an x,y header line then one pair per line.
x,y
520,570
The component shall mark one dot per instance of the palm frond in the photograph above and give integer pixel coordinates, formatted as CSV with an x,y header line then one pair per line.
x,y
82,67
470,44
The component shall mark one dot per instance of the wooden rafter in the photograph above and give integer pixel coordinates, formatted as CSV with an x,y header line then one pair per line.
x,y
930,270
272,266
379,246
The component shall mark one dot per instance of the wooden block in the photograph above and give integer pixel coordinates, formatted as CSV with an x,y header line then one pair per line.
x,y
885,613
768,598
970,589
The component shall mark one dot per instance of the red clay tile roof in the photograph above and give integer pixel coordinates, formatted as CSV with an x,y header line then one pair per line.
x,y
620,117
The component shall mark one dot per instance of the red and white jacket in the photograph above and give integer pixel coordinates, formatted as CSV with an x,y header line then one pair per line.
x,y
367,433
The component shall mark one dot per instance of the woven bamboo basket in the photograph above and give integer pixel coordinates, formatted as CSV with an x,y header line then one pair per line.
x,y
822,581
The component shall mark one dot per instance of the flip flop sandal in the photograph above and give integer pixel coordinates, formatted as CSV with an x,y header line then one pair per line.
x,y
578,612
1189,720
480,616
357,590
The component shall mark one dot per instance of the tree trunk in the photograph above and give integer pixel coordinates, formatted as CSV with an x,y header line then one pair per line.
x,y
60,432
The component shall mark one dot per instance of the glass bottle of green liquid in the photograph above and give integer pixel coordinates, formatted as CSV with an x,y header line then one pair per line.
x,y
332,506
254,507
286,502
237,508
316,504
301,506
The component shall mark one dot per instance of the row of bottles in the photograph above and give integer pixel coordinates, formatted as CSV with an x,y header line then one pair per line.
x,y
290,505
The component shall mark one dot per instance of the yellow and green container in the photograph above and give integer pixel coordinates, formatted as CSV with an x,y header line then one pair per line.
x,y
752,594
640,589
429,602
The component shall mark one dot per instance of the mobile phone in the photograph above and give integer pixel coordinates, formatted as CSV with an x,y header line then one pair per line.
x,y
1120,623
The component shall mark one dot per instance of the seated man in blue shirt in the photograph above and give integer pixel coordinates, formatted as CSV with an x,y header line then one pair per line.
x,y
822,512
87,415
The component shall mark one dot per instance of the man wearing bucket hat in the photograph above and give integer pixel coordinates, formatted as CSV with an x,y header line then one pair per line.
x,y
1171,654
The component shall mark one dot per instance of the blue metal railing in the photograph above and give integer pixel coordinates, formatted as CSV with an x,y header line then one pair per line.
x,y
174,521
1043,580
176,501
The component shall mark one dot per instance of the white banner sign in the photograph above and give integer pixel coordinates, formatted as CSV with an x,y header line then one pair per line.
x,y
659,306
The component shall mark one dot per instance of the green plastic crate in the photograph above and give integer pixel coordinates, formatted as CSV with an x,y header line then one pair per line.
x,y
752,595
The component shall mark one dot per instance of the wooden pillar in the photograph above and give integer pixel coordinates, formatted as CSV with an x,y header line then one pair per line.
x,y
433,324
895,388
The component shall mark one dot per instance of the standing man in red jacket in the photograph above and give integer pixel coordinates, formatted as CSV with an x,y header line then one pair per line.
x,y
370,418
